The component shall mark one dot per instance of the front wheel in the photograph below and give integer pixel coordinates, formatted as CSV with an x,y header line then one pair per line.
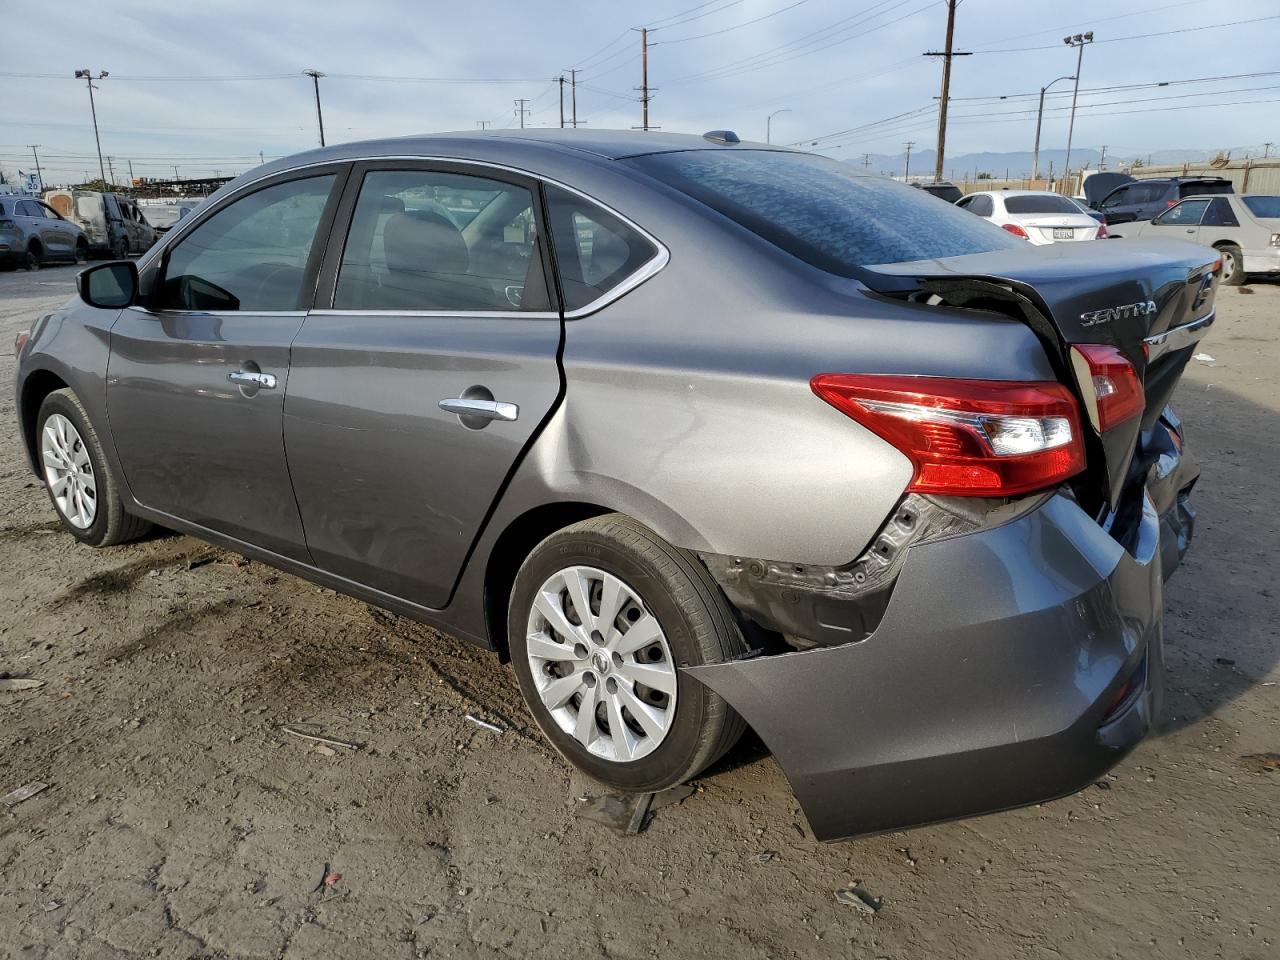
x,y
602,616
1232,265
81,486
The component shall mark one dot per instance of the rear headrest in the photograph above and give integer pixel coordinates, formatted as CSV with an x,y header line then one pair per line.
x,y
424,241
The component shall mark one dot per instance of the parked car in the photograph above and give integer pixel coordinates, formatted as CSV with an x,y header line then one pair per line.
x,y
113,222
1097,215
165,216
1143,199
692,431
942,189
33,233
1245,230
1035,215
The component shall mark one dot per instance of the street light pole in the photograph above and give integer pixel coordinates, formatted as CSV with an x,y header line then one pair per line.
x,y
1035,154
1078,41
87,76
315,76
768,123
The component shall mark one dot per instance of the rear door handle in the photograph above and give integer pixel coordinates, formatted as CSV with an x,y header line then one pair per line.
x,y
485,409
252,378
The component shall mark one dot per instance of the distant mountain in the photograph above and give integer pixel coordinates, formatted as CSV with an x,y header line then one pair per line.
x,y
1018,164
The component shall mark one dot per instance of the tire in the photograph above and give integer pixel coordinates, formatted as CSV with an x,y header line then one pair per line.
x,y
1232,265
120,250
34,257
665,588
99,520
82,252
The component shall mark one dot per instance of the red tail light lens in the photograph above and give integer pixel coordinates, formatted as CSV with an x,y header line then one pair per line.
x,y
1102,232
1016,230
968,438
1110,386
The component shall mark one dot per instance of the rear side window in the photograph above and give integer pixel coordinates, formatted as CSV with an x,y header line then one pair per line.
x,y
250,255
1220,214
1266,208
982,206
1045,203
1205,188
1152,192
595,251
822,211
432,240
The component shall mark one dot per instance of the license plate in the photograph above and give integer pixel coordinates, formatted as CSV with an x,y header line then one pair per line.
x,y
1063,233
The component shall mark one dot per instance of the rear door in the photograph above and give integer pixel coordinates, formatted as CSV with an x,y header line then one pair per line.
x,y
60,236
433,361
196,379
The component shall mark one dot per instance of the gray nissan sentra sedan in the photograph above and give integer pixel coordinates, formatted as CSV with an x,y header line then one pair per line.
x,y
699,434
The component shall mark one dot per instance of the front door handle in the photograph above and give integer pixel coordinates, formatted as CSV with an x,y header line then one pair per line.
x,y
252,378
484,409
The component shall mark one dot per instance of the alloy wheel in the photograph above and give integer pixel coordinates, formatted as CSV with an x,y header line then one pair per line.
x,y
601,663
69,472
1228,265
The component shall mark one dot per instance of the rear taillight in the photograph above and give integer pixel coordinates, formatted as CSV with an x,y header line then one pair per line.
x,y
1110,386
1102,232
1016,230
968,438
20,341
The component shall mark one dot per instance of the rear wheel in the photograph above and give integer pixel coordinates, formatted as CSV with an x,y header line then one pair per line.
x,y
82,252
1232,265
34,257
120,250
602,616
84,492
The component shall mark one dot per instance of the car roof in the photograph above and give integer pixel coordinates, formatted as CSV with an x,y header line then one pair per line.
x,y
609,144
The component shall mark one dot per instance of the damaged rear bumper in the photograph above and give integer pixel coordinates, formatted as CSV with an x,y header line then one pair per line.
x,y
1012,665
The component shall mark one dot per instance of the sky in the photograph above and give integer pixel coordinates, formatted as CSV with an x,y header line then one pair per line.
x,y
209,86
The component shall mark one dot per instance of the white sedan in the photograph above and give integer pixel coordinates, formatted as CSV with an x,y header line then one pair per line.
x,y
1035,215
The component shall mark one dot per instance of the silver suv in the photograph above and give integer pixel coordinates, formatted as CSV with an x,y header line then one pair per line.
x,y
32,232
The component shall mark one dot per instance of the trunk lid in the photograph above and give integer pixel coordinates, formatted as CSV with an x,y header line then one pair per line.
x,y
1151,299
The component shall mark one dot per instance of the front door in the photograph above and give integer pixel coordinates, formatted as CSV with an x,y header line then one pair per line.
x,y
197,378
412,396
1181,222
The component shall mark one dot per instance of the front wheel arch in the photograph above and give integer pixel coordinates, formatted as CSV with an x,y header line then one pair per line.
x,y
38,385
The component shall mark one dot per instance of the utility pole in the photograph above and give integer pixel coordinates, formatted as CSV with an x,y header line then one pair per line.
x,y
573,93
1266,152
768,124
1035,155
131,183
175,173
112,171
644,77
40,176
484,124
866,159
520,110
315,76
946,56
261,159
1079,41
87,76
1102,158
906,174
561,78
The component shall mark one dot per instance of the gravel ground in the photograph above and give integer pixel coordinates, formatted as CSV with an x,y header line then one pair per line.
x,y
181,821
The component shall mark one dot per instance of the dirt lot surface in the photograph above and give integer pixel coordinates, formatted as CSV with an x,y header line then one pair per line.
x,y
181,821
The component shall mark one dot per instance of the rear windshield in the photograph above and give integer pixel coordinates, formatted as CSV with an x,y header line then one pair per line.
x,y
1205,188
824,212
1267,208
1045,203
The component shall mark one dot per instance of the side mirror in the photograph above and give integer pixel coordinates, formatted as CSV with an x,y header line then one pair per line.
x,y
109,286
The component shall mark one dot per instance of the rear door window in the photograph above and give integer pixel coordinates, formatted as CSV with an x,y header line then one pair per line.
x,y
1220,214
822,211
251,254
441,241
595,251
983,206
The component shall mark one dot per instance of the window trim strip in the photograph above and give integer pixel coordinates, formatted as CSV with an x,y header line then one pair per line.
x,y
645,271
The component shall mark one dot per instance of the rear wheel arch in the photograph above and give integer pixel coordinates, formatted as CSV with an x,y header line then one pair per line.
x,y
510,550
38,385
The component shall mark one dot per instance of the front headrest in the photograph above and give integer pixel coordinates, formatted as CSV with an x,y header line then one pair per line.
x,y
424,241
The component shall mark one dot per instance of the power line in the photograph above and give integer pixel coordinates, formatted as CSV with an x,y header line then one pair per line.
x,y
736,26
1146,36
